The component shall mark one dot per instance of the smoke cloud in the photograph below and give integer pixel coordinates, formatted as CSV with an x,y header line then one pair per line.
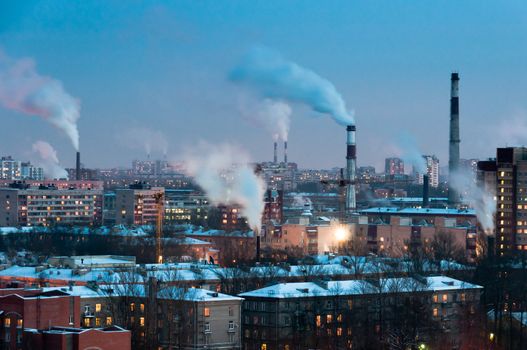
x,y
224,173
475,197
274,116
144,139
273,76
410,153
24,90
48,160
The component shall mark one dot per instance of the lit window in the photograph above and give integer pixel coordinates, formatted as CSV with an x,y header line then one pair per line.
x,y
329,318
97,322
142,307
97,307
445,298
108,321
339,331
318,320
436,299
7,322
435,312
206,312
20,323
263,347
132,306
142,321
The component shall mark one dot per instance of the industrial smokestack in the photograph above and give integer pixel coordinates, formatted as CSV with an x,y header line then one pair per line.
x,y
426,188
453,161
285,152
275,158
351,163
78,167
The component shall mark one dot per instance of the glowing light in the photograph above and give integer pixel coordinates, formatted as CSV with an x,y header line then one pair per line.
x,y
341,233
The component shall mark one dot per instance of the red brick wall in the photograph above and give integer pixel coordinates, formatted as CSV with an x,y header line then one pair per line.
x,y
102,340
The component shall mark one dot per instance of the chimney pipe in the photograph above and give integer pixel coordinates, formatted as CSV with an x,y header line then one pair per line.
x,y
285,152
275,158
78,167
351,163
453,161
426,188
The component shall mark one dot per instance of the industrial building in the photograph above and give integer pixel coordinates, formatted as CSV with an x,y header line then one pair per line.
x,y
393,166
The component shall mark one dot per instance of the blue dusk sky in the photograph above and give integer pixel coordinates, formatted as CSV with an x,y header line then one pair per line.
x,y
163,67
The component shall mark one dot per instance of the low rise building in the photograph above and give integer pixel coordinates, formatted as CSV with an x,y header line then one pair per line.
x,y
139,204
434,311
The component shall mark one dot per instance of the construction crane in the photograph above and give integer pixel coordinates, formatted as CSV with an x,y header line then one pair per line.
x,y
159,198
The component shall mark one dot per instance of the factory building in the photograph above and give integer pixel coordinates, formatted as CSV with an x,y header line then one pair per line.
x,y
393,166
506,178
138,204
46,205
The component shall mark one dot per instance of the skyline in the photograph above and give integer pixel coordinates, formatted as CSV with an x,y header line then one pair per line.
x,y
393,71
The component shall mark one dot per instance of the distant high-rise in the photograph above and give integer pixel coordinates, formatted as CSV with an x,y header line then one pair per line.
x,y
432,169
393,166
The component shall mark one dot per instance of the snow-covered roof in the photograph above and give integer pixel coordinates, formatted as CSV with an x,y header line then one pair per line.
x,y
358,287
419,211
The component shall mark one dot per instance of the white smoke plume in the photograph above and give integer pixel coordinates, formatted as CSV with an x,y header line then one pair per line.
x,y
410,153
513,131
300,201
274,116
224,173
24,90
273,76
48,160
144,139
483,202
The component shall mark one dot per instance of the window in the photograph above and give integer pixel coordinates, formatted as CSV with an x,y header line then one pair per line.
x,y
231,311
87,322
108,321
263,347
339,332
132,306
318,320
435,298
7,322
350,304
97,307
206,312
71,320
329,318
97,322
445,298
435,312
142,321
86,309
231,325
142,306
462,297
207,327
20,323
339,318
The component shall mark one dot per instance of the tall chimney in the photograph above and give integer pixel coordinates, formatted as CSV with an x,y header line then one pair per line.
x,y
285,152
275,158
351,163
78,167
453,160
426,188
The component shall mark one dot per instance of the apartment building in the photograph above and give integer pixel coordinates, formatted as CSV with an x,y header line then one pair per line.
x,y
433,311
138,204
46,205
